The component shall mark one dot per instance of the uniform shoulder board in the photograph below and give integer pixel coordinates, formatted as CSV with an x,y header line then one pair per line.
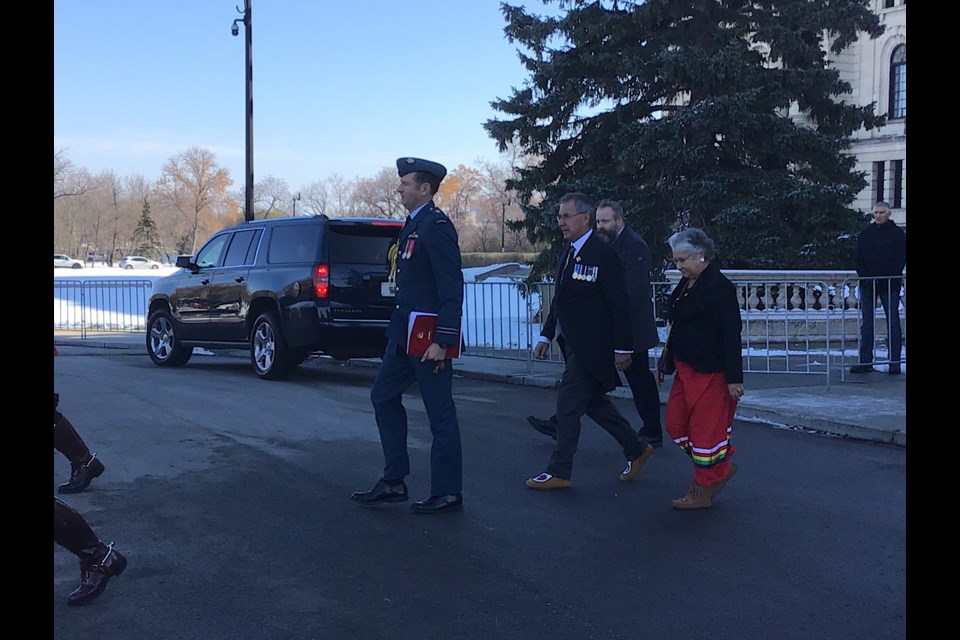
x,y
441,216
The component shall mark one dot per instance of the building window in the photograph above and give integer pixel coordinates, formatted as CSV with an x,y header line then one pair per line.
x,y
898,82
878,181
887,4
896,168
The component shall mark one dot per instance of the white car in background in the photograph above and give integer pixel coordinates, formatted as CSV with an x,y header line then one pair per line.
x,y
63,261
138,262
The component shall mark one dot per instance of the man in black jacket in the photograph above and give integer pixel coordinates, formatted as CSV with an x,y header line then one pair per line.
x,y
635,255
881,251
589,316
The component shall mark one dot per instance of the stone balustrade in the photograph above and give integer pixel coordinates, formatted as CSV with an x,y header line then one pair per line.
x,y
790,290
790,305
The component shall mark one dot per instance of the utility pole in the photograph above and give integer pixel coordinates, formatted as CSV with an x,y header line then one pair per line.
x,y
247,21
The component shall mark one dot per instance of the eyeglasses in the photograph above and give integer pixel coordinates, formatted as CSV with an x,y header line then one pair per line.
x,y
676,261
567,216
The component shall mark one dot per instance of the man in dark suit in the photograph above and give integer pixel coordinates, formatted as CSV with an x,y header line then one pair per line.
x,y
589,318
635,256
428,279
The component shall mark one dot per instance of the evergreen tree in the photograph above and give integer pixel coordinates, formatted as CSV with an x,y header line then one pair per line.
x,y
680,109
146,238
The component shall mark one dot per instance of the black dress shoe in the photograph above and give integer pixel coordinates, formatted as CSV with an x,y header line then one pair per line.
x,y
437,504
382,492
861,368
546,427
81,475
95,573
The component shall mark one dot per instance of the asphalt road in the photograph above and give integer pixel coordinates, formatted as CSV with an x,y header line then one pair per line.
x,y
229,497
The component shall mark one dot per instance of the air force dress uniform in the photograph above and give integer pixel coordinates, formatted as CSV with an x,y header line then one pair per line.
x,y
428,279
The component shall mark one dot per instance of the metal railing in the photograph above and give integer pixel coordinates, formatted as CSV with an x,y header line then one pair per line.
x,y
794,324
89,306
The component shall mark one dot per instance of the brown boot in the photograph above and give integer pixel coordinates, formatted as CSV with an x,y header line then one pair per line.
x,y
716,486
698,497
103,563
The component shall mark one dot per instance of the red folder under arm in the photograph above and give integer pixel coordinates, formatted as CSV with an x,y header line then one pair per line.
x,y
420,333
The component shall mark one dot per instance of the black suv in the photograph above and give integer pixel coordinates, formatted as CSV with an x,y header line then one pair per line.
x,y
284,288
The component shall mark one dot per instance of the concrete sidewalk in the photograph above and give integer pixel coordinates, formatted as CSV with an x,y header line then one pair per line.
x,y
871,407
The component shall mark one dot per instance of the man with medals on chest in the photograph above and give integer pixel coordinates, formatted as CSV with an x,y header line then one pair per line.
x,y
590,320
428,280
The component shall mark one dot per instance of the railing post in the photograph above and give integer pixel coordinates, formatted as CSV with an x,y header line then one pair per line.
x,y
83,310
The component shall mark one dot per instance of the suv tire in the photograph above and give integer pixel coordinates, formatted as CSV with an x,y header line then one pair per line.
x,y
163,345
272,359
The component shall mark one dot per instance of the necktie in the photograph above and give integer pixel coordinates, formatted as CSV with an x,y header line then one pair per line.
x,y
567,263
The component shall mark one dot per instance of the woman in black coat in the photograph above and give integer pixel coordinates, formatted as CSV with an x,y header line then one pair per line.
x,y
704,351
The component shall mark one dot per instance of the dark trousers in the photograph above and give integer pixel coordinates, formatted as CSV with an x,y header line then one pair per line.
x,y
646,395
888,291
71,531
66,440
581,394
397,372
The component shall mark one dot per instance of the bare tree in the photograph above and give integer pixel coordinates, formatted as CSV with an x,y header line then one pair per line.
x,y
67,179
341,194
458,195
495,186
377,197
196,186
314,198
271,197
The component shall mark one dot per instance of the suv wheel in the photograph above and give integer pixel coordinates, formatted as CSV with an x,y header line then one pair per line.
x,y
163,346
269,354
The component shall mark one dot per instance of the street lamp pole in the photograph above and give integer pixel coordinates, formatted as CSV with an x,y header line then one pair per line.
x,y
295,198
247,21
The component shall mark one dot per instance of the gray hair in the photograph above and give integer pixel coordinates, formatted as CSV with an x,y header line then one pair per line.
x,y
693,240
583,203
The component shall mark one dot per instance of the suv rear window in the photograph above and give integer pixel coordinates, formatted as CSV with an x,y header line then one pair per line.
x,y
360,245
293,243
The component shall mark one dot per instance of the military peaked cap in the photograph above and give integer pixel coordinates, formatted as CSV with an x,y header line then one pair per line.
x,y
408,165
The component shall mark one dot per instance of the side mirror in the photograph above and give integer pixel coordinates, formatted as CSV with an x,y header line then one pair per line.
x,y
185,262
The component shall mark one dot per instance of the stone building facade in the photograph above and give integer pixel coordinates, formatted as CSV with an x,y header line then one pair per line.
x,y
876,70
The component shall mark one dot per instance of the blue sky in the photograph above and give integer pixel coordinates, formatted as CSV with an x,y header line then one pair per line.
x,y
338,86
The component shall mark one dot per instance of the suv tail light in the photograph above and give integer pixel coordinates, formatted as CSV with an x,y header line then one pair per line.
x,y
321,281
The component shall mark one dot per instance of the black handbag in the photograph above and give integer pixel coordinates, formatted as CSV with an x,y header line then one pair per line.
x,y
665,364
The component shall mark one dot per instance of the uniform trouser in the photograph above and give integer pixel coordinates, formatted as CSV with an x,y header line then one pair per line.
x,y
397,372
699,419
72,532
66,440
646,394
581,394
888,290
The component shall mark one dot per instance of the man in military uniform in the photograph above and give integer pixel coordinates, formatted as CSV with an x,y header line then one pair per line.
x,y
428,279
